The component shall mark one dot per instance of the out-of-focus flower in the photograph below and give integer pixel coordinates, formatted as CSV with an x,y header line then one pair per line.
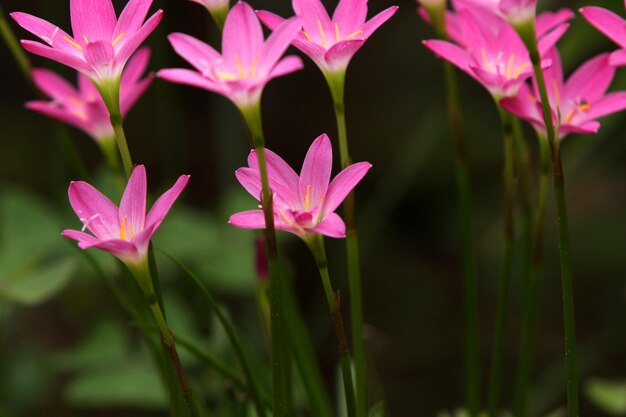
x,y
217,8
305,204
515,11
612,26
247,62
575,103
83,107
101,44
125,231
331,43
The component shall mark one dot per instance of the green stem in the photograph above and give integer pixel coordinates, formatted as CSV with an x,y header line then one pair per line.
x,y
108,147
142,273
122,145
336,82
563,233
505,278
531,292
16,49
316,244
280,388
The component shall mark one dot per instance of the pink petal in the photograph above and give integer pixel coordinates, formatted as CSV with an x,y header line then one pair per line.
x,y
142,239
315,174
129,44
350,16
618,58
286,66
88,91
549,40
611,103
314,19
192,78
339,55
162,206
124,250
99,53
332,226
58,55
242,37
277,43
284,196
547,21
342,184
133,203
375,22
194,51
255,219
312,50
591,79
129,96
523,106
282,177
607,22
269,19
132,17
94,20
452,53
84,240
588,128
46,31
60,114
135,68
53,85
94,210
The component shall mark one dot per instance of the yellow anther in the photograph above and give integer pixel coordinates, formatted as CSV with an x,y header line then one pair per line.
x,y
483,53
557,93
255,62
519,69
86,40
569,116
74,44
353,34
509,66
123,229
584,106
240,71
337,37
319,25
116,40
306,35
225,76
307,197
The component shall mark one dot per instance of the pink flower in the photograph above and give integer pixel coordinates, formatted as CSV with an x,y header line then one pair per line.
x,y
305,204
125,231
576,103
84,108
515,11
331,43
101,44
612,26
247,63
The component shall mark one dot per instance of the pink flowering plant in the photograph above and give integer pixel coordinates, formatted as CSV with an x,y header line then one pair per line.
x,y
245,336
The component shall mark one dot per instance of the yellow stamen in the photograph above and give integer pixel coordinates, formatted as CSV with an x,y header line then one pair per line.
x,y
255,62
86,40
337,31
307,197
240,70
74,44
584,106
353,34
509,66
569,117
123,229
225,76
557,93
306,35
116,40
319,25
519,69
483,52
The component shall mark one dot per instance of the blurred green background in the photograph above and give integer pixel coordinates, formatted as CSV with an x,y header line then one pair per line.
x,y
68,349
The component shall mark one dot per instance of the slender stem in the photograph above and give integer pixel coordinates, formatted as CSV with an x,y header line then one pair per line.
x,y
252,115
563,234
142,273
108,147
505,278
316,244
120,137
531,292
336,81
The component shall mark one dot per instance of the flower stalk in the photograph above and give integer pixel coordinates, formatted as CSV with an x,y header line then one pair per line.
x,y
252,116
316,245
336,82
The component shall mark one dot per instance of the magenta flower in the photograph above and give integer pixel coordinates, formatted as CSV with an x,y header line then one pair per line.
x,y
125,231
331,43
612,26
576,103
305,204
101,44
515,11
247,63
83,107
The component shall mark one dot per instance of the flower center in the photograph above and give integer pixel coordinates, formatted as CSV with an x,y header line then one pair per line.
x,y
123,230
500,67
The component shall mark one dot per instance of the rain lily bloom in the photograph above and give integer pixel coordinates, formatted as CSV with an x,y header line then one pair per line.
x,y
495,55
513,10
612,26
101,44
125,231
331,43
247,63
575,103
304,205
83,107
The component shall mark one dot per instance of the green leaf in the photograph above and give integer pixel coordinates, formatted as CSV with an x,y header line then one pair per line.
x,y
34,285
608,395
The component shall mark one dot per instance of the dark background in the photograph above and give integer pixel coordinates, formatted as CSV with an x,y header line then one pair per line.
x,y
55,351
